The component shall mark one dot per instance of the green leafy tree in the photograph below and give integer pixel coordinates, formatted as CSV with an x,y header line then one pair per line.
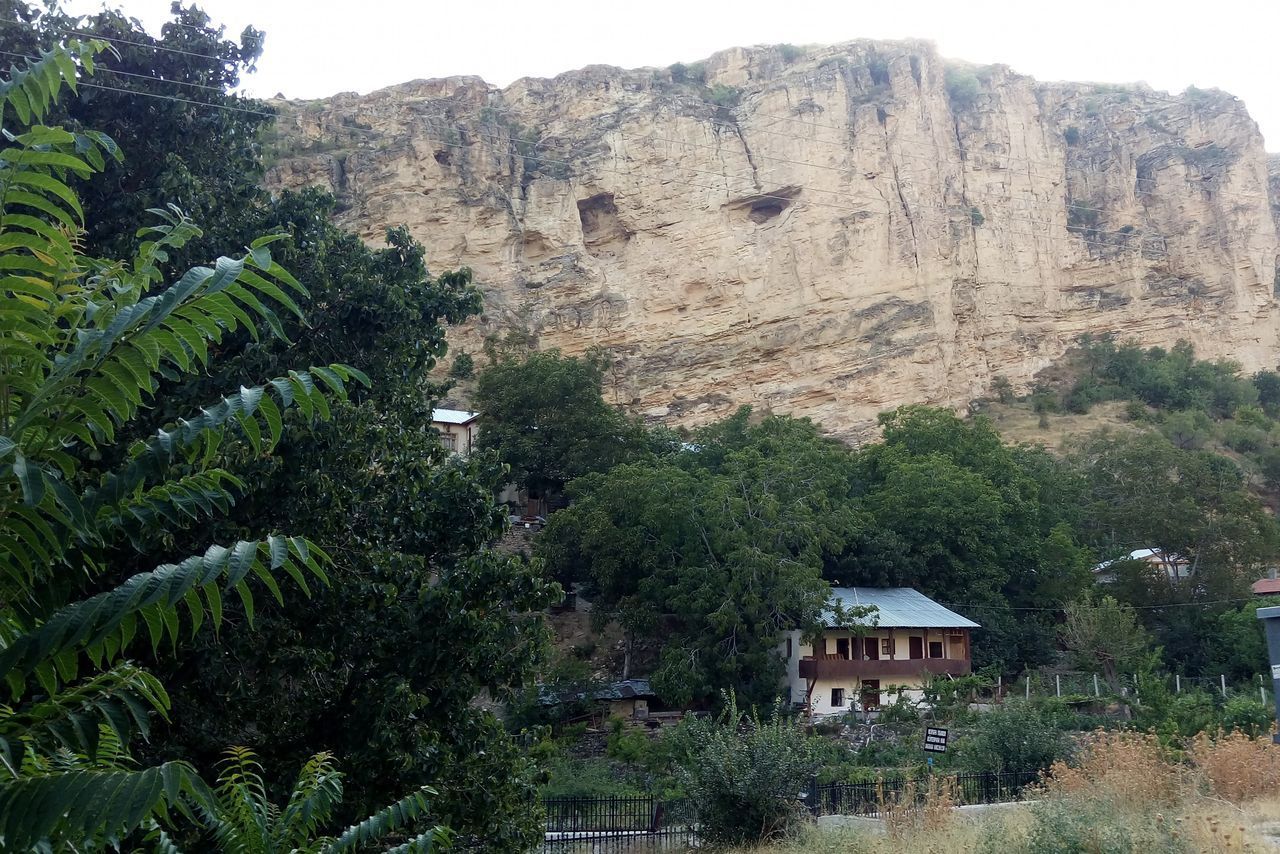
x,y
196,145
419,619
1103,634
546,417
1014,737
713,553
86,342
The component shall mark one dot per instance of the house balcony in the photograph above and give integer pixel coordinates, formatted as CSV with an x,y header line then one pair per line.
x,y
833,667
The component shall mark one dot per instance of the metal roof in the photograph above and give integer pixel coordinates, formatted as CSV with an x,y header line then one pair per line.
x,y
453,416
630,689
899,607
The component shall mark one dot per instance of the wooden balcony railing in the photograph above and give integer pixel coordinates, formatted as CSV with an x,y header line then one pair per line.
x,y
832,667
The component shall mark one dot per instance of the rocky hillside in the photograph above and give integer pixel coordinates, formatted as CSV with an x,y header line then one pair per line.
x,y
824,232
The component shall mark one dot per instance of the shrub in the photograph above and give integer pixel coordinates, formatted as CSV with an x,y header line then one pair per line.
x,y
790,53
1015,737
681,73
743,775
463,367
724,96
1072,135
1246,715
975,217
962,86
1243,439
1003,389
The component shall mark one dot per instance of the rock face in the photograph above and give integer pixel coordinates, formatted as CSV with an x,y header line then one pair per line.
x,y
826,233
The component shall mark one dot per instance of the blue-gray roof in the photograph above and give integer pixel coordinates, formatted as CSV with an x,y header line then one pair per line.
x,y
899,607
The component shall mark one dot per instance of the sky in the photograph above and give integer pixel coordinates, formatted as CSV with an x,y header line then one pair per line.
x,y
1170,44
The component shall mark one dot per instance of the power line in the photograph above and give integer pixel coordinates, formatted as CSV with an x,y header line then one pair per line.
x,y
218,89
176,98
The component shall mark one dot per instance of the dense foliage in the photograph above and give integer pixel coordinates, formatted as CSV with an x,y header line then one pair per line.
x,y
383,665
87,342
546,418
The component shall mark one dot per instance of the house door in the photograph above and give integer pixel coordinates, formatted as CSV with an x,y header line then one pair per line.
x,y
871,646
915,647
870,694
842,648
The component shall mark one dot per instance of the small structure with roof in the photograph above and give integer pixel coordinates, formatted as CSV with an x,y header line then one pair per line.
x,y
457,428
1173,567
905,640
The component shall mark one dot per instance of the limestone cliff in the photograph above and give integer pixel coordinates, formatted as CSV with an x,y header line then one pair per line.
x,y
825,233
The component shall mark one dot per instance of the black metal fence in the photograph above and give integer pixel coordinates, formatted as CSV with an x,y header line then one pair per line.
x,y
616,824
872,798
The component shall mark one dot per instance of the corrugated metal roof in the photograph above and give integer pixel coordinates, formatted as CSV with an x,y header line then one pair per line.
x,y
900,607
453,416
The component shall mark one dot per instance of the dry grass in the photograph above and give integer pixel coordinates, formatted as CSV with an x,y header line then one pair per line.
x,y
1018,423
913,810
1124,793
1129,767
1237,768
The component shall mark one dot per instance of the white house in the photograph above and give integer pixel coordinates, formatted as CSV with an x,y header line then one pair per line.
x,y
457,427
1174,567
907,640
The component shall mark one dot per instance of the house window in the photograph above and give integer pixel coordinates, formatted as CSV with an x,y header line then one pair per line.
x,y
788,649
886,647
842,648
837,698
915,646
935,649
449,441
870,693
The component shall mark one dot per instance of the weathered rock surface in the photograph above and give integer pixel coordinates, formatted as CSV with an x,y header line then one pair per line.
x,y
848,230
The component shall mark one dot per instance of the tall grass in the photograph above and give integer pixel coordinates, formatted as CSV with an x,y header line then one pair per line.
x,y
1124,792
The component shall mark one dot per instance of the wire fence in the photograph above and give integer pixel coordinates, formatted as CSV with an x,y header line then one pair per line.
x,y
1130,685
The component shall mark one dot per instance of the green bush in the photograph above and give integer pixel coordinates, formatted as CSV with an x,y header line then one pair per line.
x,y
975,217
1243,439
724,96
1072,135
790,53
743,775
1015,737
962,86
1081,824
1248,715
463,367
628,745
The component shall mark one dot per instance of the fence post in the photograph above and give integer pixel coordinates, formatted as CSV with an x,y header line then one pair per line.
x,y
1028,686
1262,692
1057,683
812,796
1096,691
1177,683
1223,677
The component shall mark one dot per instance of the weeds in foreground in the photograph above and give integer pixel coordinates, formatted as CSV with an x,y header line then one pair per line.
x,y
1124,793
1236,767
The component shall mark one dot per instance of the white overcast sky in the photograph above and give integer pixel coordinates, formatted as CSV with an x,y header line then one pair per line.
x,y
318,47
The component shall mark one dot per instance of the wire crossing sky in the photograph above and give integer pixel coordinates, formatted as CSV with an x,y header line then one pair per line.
x,y
312,51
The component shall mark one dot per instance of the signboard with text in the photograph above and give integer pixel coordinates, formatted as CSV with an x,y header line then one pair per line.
x,y
935,740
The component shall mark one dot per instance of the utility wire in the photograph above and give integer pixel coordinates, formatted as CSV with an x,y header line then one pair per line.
x,y
219,89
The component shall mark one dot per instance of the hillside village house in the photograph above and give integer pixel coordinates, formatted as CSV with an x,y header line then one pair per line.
x,y
457,427
906,641
1174,567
